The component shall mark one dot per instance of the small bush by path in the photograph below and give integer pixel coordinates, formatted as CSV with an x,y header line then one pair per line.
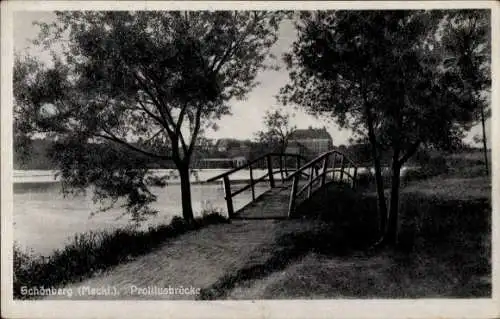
x,y
94,252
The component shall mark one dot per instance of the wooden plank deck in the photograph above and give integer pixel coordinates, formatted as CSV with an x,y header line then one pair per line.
x,y
273,204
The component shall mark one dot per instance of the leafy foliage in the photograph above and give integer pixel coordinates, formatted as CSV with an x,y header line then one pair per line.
x,y
151,82
469,61
277,130
345,58
387,76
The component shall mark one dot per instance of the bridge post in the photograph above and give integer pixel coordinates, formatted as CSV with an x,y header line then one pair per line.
x,y
342,168
270,170
333,166
325,167
286,165
293,194
354,177
228,197
311,178
251,183
281,169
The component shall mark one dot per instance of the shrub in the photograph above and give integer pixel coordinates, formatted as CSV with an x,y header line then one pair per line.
x,y
213,217
430,166
436,220
178,224
436,165
355,214
469,171
364,179
92,252
414,174
421,158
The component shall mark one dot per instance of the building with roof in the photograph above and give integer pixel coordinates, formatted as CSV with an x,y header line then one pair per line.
x,y
309,142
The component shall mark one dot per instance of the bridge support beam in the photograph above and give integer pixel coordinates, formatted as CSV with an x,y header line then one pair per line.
x,y
252,183
342,167
270,171
228,196
325,167
311,179
293,195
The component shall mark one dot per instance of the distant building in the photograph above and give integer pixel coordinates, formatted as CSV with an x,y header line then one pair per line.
x,y
233,148
220,163
309,142
225,153
239,161
295,147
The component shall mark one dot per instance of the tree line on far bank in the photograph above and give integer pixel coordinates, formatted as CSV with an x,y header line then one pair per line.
x,y
38,154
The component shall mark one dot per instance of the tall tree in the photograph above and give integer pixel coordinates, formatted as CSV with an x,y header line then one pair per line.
x,y
150,82
277,129
468,49
381,74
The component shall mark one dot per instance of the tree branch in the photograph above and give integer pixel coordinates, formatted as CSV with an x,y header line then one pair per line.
x,y
183,143
227,54
195,130
178,127
158,103
152,115
153,136
180,119
114,138
166,117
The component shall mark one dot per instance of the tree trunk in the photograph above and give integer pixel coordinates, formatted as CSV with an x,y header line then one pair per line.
x,y
485,149
382,206
187,208
391,235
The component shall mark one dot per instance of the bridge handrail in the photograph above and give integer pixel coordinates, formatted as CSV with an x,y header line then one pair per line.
x,y
313,166
303,188
313,170
248,164
318,159
228,195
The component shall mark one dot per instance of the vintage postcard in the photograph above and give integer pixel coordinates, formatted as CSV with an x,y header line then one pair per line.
x,y
250,159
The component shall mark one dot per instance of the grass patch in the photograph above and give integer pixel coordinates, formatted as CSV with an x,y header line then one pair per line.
x,y
351,211
319,228
94,252
444,248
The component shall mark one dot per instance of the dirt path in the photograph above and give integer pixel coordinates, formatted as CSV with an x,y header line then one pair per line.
x,y
196,259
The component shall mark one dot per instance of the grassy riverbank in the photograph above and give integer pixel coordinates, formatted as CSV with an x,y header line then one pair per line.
x,y
91,253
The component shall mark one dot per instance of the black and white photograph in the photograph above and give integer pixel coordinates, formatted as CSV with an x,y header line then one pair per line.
x,y
232,159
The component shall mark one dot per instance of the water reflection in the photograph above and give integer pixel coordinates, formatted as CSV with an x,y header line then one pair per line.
x,y
44,218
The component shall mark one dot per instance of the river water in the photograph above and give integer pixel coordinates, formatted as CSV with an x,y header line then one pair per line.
x,y
45,220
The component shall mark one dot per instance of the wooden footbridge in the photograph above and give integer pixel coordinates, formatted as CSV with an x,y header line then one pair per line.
x,y
291,180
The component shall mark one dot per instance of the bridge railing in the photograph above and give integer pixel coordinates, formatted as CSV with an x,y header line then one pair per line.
x,y
319,172
274,163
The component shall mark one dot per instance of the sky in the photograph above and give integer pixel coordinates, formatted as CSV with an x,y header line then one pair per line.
x,y
246,118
